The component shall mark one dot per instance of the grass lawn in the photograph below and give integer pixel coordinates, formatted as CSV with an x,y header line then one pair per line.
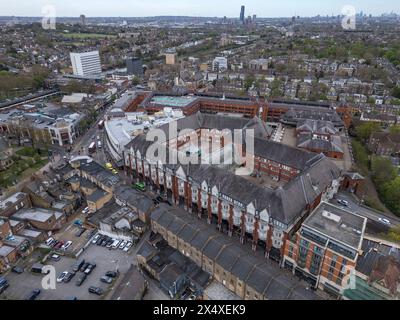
x,y
26,162
88,35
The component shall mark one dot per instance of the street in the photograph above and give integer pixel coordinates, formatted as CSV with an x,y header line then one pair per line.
x,y
374,224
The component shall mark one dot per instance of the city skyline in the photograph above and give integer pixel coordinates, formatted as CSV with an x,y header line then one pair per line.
x,y
207,8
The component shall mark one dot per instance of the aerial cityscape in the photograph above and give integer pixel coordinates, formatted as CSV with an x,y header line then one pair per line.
x,y
186,152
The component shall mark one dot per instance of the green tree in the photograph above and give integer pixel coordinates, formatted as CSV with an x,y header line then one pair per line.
x,y
391,195
248,82
382,171
361,156
396,92
365,130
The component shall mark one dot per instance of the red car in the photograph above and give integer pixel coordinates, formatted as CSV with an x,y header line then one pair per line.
x,y
59,245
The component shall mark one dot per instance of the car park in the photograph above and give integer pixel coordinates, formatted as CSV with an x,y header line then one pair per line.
x,y
96,290
106,279
81,279
128,246
17,270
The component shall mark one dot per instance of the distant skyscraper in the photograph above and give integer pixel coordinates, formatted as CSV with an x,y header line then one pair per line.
x,y
134,66
83,19
242,14
86,63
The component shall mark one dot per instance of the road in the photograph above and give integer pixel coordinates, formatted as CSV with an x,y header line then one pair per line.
x,y
374,224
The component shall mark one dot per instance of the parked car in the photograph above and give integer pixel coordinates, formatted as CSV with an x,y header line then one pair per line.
x,y
3,284
78,265
86,210
106,279
49,241
61,277
66,245
80,232
69,277
95,238
71,298
59,245
90,268
96,290
55,257
128,246
34,294
84,266
111,274
81,279
116,244
122,245
17,270
91,234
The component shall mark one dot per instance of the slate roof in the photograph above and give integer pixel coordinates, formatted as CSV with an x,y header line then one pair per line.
x,y
133,198
257,272
306,140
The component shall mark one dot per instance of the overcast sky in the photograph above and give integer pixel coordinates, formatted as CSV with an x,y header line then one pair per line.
x,y
209,8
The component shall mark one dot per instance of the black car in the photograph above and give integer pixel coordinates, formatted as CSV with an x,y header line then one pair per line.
x,y
81,279
3,284
104,242
34,294
77,266
18,270
80,232
68,277
90,268
96,290
111,274
84,267
100,241
159,199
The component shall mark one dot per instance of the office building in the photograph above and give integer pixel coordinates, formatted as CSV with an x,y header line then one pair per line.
x,y
242,14
86,63
83,19
134,66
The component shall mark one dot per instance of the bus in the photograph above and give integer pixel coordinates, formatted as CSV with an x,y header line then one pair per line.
x,y
101,124
92,148
139,186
